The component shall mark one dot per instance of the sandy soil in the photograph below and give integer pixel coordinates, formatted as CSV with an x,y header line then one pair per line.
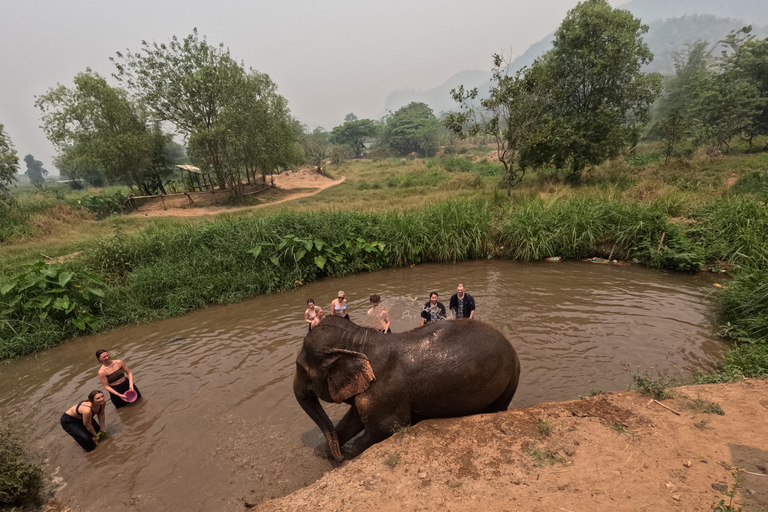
x,y
289,180
612,452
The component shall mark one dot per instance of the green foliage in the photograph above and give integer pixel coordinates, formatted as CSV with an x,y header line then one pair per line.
x,y
97,126
544,428
752,183
35,171
601,96
544,458
744,305
353,134
380,153
730,493
9,163
700,405
412,129
417,179
651,383
674,251
532,229
46,291
514,105
315,145
103,205
338,154
733,229
21,481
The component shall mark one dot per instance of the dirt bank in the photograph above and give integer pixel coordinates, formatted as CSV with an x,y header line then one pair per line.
x,y
296,184
609,452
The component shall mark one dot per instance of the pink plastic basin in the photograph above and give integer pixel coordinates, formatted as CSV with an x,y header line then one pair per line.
x,y
131,396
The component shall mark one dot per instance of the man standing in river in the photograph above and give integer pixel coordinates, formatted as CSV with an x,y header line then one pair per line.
x,y
462,304
378,315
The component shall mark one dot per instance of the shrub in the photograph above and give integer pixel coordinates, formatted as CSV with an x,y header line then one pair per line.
x,y
744,305
21,481
103,205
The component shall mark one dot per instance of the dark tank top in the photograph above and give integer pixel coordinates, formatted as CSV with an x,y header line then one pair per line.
x,y
115,376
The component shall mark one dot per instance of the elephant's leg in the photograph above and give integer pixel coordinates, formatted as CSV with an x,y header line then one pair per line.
x,y
378,424
347,428
503,401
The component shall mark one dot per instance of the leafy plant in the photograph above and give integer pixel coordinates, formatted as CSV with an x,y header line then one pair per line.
x,y
44,291
20,480
650,384
103,205
730,493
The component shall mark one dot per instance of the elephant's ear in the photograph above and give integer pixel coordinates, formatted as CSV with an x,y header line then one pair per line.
x,y
349,373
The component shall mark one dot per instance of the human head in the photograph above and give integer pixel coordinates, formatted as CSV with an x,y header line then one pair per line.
x,y
431,295
341,295
375,299
320,313
93,394
310,302
460,288
99,353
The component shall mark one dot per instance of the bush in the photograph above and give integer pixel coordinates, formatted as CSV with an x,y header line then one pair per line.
x,y
744,305
21,481
103,205
380,153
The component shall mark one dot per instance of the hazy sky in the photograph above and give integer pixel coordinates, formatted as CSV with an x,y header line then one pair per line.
x,y
328,58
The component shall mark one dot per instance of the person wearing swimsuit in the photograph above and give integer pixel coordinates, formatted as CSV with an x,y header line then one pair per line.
x,y
339,306
80,423
116,378
313,315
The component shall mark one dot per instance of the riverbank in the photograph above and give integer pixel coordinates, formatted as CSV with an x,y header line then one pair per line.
x,y
609,452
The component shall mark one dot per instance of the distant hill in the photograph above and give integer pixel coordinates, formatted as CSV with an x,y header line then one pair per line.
x,y
673,24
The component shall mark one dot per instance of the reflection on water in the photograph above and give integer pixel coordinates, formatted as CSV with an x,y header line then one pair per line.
x,y
218,424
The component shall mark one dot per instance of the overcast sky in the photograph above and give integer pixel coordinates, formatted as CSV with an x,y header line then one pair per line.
x,y
328,58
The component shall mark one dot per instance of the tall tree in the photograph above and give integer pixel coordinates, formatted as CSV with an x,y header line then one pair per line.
x,y
514,106
95,125
412,129
35,170
315,146
594,67
188,83
350,117
353,134
9,161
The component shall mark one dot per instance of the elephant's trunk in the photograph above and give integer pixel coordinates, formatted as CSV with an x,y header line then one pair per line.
x,y
311,404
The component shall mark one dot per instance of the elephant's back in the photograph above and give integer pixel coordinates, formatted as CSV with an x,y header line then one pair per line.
x,y
459,367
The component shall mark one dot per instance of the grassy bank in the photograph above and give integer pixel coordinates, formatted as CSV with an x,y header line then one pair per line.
x,y
381,217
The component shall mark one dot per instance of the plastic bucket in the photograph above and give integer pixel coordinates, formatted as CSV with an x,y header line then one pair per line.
x,y
131,396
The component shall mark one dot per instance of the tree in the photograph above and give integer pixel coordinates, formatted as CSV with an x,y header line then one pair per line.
x,y
673,130
315,146
188,83
594,68
350,117
353,134
9,161
97,126
412,129
35,171
514,106
255,131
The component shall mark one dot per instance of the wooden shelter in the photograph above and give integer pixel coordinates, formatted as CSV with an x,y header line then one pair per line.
x,y
199,181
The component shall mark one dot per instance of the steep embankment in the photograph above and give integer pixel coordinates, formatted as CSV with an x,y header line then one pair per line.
x,y
609,452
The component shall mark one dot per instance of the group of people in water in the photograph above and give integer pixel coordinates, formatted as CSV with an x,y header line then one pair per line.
x,y
80,421
461,305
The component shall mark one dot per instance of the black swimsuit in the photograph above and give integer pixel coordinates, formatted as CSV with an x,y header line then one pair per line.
x,y
75,428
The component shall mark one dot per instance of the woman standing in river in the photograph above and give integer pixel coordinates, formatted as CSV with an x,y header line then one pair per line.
x,y
80,420
339,306
116,378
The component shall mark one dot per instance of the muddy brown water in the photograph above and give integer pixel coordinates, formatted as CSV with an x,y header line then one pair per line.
x,y
218,426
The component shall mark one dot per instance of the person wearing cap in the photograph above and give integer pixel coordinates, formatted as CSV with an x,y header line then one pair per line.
x,y
339,306
462,304
379,315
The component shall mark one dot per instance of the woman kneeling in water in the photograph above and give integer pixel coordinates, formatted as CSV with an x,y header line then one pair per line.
x,y
80,423
116,378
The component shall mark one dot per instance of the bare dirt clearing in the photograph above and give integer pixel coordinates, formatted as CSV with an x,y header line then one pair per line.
x,y
295,184
609,452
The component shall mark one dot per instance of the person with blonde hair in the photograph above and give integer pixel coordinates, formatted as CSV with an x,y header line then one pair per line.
x,y
339,306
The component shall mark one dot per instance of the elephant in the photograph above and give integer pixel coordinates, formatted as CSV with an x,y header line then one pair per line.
x,y
443,369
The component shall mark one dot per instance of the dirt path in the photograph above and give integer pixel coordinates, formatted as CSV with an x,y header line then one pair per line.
x,y
303,179
611,452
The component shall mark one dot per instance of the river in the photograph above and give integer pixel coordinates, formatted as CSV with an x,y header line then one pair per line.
x,y
218,426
